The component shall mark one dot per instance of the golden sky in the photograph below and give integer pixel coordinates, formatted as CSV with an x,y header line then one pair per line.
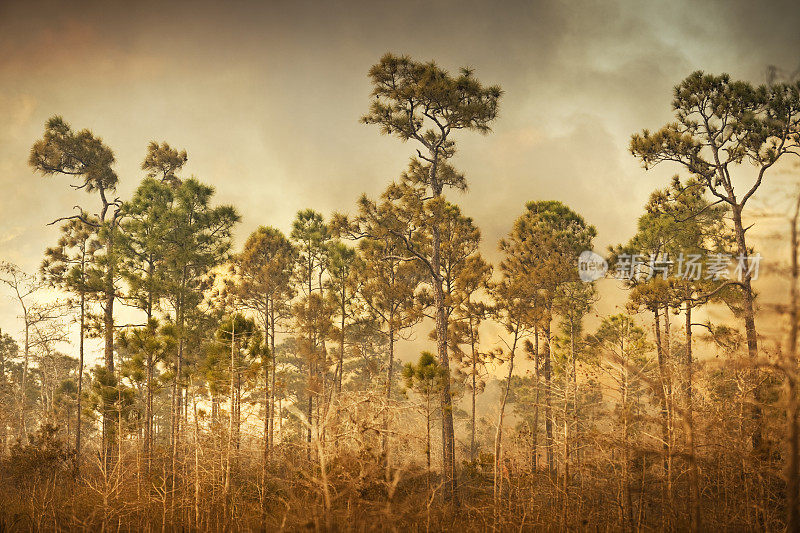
x,y
266,96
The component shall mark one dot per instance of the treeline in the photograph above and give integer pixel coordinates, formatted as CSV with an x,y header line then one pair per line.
x,y
260,388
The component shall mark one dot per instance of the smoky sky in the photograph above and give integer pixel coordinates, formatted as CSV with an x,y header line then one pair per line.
x,y
266,96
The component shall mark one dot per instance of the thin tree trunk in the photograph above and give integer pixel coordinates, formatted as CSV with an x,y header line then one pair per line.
x,y
548,409
472,449
694,481
792,468
749,323
4,414
389,379
448,431
229,447
148,423
23,429
666,349
627,501
428,434
265,360
311,364
177,394
148,417
273,356
340,369
535,429
80,383
498,438
196,464
108,328
665,433
574,357
108,311
238,406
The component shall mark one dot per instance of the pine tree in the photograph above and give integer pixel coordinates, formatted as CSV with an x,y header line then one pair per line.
x,y
426,378
71,266
542,249
724,127
310,235
424,103
264,271
623,345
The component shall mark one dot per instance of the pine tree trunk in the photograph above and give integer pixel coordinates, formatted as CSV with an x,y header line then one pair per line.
x,y
694,481
80,382
3,414
535,428
498,438
265,358
23,429
272,385
177,393
428,435
574,357
108,333
548,408
108,311
229,447
389,378
665,434
748,311
472,449
792,468
667,351
448,432
340,369
627,501
196,465
148,428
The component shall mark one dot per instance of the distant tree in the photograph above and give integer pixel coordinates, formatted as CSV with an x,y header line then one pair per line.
x,y
241,337
71,266
51,367
623,345
9,352
146,347
264,271
426,378
344,283
541,253
314,322
162,163
35,313
468,313
310,235
388,286
680,231
198,240
574,301
514,312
